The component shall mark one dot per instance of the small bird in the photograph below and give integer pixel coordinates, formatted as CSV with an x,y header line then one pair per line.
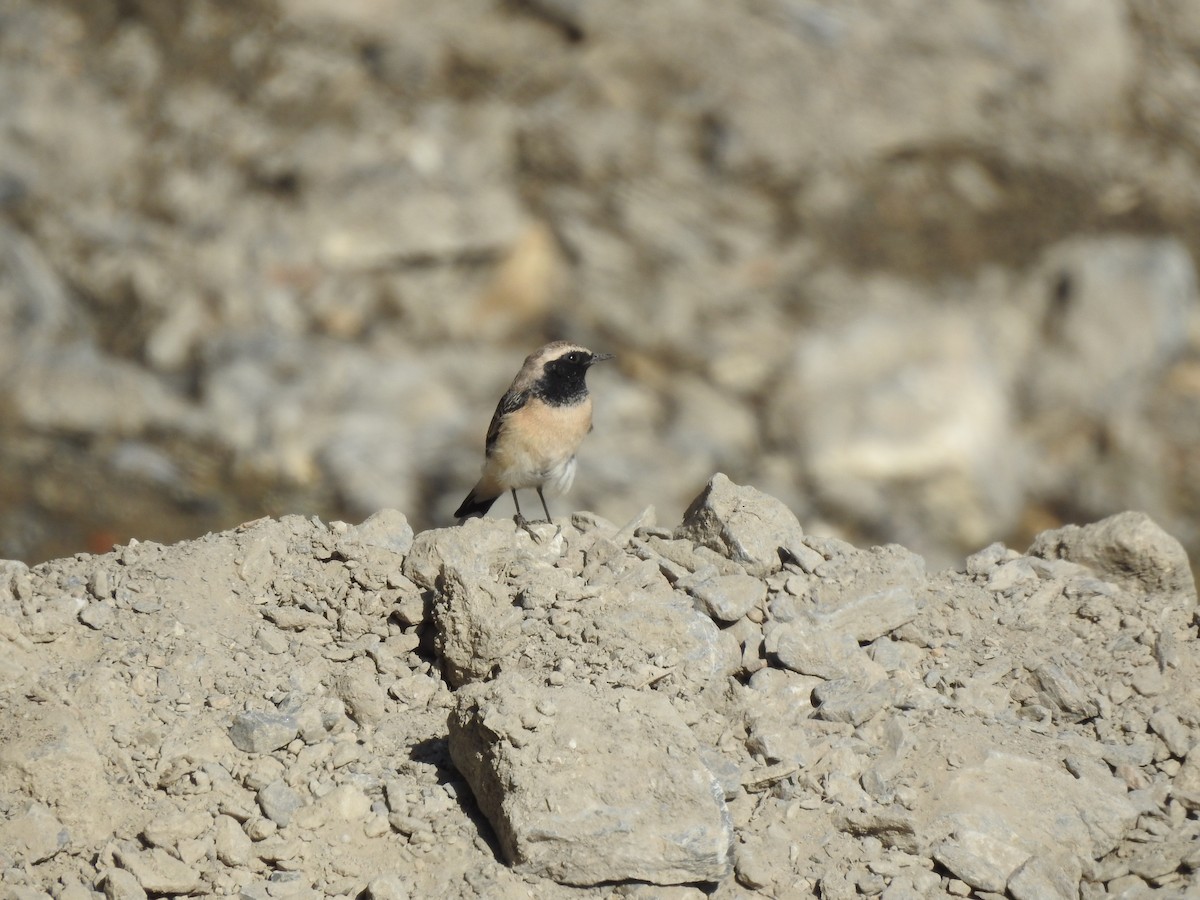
x,y
539,424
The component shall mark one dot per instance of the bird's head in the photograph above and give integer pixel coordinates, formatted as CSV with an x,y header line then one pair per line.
x,y
572,359
563,366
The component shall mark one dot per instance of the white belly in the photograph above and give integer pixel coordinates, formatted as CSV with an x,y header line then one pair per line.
x,y
556,477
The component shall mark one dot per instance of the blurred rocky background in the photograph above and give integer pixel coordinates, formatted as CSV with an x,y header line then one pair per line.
x,y
924,271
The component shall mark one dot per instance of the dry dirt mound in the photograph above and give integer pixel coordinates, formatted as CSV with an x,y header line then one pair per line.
x,y
729,708
925,271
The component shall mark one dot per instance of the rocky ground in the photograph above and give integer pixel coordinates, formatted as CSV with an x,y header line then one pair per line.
x,y
731,707
924,271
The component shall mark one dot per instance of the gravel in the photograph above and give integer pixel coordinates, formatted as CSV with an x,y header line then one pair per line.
x,y
561,713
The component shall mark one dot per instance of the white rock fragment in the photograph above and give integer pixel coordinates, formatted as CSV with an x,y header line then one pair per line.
x,y
1046,876
122,885
610,788
823,652
53,759
158,872
477,625
346,802
1187,780
74,890
849,700
1128,548
387,887
982,562
232,846
981,859
1011,574
1062,688
168,830
1177,736
467,547
727,598
743,524
776,704
96,616
262,732
866,594
358,687
1000,811
387,529
34,835
279,802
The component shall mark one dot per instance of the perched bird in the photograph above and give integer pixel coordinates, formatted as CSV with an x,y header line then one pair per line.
x,y
539,424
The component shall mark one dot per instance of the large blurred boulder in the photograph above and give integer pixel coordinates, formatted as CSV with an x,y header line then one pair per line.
x,y
811,83
904,426
1113,315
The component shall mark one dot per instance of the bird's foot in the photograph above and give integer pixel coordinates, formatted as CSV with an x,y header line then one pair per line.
x,y
539,529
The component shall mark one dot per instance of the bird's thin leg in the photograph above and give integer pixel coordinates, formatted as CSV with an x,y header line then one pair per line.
x,y
523,523
518,518
545,508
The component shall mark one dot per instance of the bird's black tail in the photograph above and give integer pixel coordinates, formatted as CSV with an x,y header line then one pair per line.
x,y
474,506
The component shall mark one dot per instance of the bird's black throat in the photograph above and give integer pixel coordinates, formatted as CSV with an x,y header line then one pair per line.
x,y
562,384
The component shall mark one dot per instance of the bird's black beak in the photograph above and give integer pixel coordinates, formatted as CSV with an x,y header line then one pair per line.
x,y
599,357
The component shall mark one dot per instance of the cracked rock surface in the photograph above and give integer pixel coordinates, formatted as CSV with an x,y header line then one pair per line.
x,y
302,709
